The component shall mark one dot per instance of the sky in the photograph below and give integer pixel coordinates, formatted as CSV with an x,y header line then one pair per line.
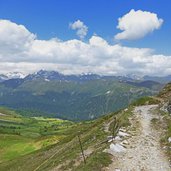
x,y
107,37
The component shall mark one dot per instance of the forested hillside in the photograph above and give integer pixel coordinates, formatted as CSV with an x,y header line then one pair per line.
x,y
72,97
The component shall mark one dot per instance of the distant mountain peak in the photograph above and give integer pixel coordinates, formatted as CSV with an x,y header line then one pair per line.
x,y
44,74
14,75
55,75
11,75
87,76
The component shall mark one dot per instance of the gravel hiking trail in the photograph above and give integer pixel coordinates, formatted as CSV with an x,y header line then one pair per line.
x,y
143,151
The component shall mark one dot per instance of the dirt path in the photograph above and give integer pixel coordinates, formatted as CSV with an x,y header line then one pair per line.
x,y
143,152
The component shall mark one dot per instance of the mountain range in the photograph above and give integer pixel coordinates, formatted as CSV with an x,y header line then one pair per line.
x,y
54,75
74,97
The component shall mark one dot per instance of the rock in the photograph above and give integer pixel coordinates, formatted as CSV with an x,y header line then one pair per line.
x,y
117,170
169,139
130,157
117,148
123,134
118,138
110,140
125,109
109,151
125,142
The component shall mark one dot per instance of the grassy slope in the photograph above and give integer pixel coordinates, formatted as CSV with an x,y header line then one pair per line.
x,y
165,95
20,135
66,152
165,124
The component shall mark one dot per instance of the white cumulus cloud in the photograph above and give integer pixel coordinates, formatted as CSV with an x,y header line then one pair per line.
x,y
14,38
137,24
20,50
80,27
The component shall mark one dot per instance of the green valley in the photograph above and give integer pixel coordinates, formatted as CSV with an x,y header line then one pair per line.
x,y
20,135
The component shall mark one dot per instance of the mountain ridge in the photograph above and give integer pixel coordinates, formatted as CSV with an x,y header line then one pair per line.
x,y
55,75
73,97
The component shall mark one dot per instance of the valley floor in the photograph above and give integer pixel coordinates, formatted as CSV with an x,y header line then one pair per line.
x,y
143,150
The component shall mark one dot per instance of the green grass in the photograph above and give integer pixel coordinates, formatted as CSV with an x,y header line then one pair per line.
x,y
65,149
145,101
164,140
12,146
7,111
21,135
163,124
45,143
95,162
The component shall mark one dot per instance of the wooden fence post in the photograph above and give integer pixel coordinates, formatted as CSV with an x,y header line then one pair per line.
x,y
82,149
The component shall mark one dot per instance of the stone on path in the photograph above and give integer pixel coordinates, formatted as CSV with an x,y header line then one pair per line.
x,y
117,148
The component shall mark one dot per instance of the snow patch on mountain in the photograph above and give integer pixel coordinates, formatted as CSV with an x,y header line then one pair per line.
x,y
13,75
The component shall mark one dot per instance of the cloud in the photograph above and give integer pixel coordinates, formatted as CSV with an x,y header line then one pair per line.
x,y
81,28
137,24
13,37
20,50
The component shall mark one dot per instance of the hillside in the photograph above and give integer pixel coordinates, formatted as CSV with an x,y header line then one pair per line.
x,y
20,135
96,139
146,144
83,97
65,153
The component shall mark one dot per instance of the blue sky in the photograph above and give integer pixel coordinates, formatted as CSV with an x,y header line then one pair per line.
x,y
50,18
